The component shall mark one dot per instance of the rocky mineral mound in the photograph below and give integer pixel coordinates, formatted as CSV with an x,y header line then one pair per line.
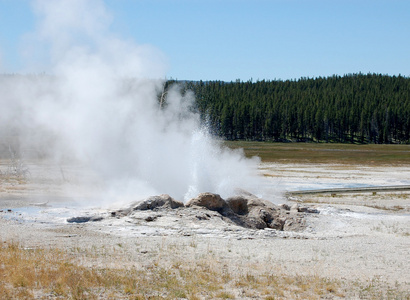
x,y
243,209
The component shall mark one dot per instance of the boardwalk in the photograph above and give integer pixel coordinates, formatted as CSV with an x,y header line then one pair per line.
x,y
375,189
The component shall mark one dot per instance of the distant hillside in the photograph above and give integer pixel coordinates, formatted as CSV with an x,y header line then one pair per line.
x,y
355,108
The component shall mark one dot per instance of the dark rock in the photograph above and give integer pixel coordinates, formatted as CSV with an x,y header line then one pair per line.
x,y
253,223
245,210
84,219
161,201
284,206
311,210
303,209
238,204
267,217
203,216
78,219
150,218
96,218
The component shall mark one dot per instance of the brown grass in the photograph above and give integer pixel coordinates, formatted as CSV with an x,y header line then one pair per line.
x,y
326,153
56,274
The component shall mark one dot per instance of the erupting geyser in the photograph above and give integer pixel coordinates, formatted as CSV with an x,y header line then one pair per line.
x,y
99,105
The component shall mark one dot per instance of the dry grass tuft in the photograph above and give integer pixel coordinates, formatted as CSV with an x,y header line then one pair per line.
x,y
55,274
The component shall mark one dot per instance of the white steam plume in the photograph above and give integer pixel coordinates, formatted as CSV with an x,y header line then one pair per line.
x,y
100,107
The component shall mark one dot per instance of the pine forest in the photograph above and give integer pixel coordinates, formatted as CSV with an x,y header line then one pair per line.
x,y
354,108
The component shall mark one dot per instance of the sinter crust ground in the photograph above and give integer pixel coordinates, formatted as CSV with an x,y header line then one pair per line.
x,y
362,236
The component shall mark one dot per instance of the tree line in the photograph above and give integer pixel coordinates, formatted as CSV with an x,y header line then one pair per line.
x,y
354,108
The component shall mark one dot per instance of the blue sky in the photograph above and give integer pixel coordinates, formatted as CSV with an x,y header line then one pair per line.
x,y
244,39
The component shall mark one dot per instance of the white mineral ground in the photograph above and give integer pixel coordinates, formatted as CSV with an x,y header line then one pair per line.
x,y
360,236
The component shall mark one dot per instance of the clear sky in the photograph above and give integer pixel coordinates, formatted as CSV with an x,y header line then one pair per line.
x,y
244,39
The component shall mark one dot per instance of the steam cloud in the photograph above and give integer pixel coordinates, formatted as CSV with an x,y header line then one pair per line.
x,y
99,106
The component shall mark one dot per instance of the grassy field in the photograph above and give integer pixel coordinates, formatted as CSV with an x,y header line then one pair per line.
x,y
27,273
326,153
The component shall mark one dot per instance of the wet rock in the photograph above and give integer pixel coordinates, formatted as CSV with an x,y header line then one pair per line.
x,y
253,223
238,204
84,219
253,212
210,201
161,201
78,219
96,218
243,209
265,217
